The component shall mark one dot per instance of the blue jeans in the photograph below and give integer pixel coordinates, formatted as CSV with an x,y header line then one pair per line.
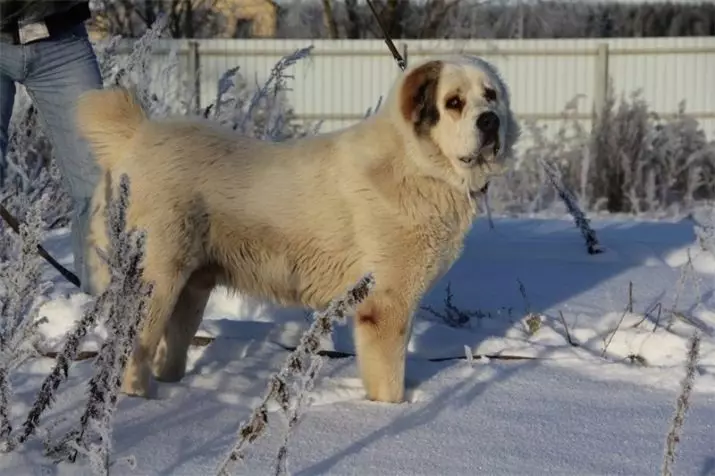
x,y
55,72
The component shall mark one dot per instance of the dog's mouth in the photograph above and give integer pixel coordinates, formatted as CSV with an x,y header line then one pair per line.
x,y
485,159
484,156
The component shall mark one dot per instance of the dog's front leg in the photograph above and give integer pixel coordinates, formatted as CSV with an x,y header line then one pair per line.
x,y
382,325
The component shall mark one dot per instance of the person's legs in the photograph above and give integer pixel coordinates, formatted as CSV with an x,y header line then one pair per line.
x,y
7,100
11,70
59,71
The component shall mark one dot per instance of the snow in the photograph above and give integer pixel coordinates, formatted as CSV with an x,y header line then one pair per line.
x,y
560,409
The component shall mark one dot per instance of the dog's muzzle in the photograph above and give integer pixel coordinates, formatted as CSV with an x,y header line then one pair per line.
x,y
488,126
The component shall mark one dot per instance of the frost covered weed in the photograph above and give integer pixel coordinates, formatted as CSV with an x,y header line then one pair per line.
x,y
565,194
152,77
302,365
452,315
682,405
27,173
264,112
22,292
260,111
120,308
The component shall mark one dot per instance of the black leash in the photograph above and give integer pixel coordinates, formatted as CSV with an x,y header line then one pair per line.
x,y
396,54
15,225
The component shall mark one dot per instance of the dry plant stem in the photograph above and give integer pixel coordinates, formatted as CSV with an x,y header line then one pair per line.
x,y
612,334
569,200
657,319
682,405
618,326
685,272
648,313
452,315
303,363
522,290
566,329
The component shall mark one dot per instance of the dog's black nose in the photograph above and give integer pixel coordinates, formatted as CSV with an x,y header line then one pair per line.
x,y
488,123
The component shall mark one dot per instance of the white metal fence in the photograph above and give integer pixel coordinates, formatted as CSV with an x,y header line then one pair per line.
x,y
343,78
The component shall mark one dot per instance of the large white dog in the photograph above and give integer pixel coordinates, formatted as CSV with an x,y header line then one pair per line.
x,y
298,222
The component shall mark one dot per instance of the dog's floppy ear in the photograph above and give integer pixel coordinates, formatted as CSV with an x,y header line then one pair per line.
x,y
418,97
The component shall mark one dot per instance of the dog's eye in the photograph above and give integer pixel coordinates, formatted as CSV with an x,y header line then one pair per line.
x,y
490,94
455,102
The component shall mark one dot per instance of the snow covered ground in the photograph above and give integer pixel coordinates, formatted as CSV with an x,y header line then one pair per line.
x,y
561,409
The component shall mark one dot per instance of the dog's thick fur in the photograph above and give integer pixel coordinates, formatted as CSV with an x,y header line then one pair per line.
x,y
297,222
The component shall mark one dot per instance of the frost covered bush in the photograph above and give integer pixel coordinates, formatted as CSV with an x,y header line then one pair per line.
x,y
21,294
631,161
120,308
643,163
27,172
262,112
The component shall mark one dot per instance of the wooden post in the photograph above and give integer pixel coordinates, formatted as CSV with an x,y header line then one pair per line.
x,y
194,66
601,82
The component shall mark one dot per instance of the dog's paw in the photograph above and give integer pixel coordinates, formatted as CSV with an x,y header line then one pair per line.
x,y
137,384
139,392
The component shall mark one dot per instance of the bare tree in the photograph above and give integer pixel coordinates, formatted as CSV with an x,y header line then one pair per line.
x,y
330,19
131,18
500,19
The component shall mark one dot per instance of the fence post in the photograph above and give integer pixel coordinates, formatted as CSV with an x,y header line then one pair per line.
x,y
194,66
600,93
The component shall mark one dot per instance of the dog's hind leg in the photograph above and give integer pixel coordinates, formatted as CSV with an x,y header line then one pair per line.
x,y
382,325
170,357
168,283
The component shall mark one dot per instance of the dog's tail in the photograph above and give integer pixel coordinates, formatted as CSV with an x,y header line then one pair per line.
x,y
108,119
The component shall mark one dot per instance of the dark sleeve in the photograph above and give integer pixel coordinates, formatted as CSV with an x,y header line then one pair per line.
x,y
10,10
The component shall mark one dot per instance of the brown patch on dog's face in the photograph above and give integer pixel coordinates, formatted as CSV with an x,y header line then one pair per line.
x,y
418,97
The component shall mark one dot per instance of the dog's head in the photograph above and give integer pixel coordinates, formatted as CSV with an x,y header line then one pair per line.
x,y
459,109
